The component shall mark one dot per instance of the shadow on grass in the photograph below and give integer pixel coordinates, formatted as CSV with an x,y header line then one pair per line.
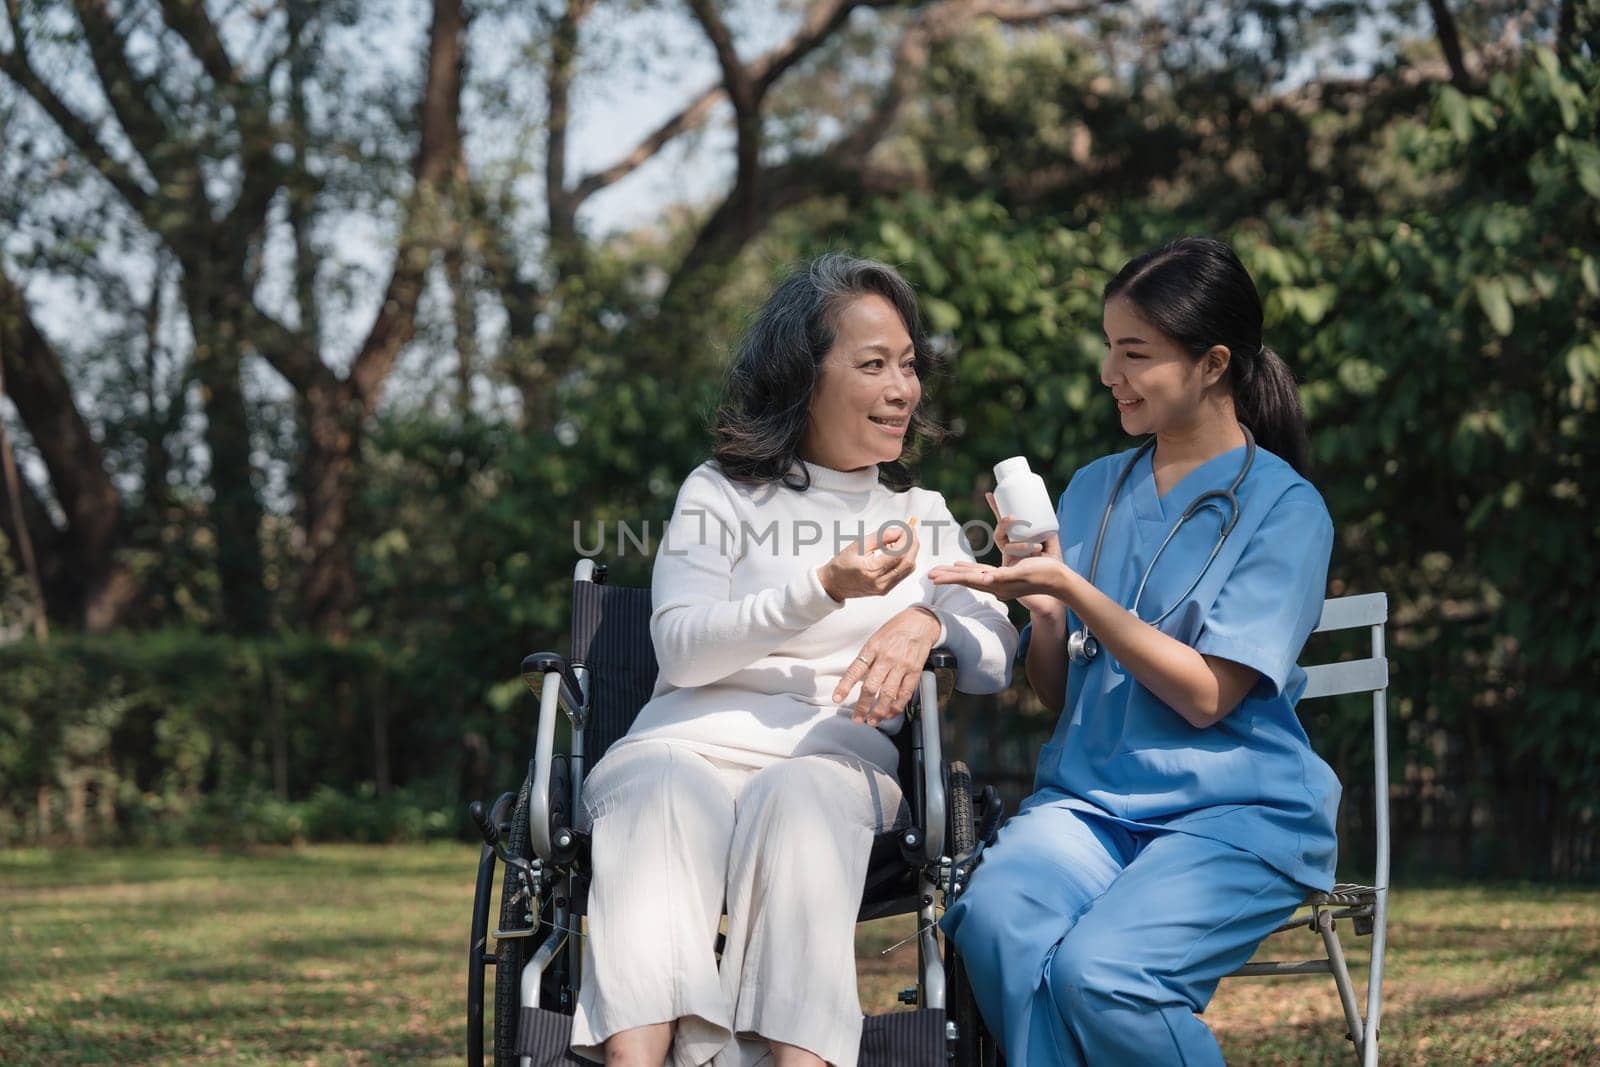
x,y
1434,1013
275,961
48,1042
1575,970
1299,1045
83,868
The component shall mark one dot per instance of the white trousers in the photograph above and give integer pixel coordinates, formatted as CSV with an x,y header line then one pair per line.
x,y
678,834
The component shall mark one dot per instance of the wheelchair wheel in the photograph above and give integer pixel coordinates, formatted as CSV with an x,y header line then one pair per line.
x,y
961,835
511,954
972,1046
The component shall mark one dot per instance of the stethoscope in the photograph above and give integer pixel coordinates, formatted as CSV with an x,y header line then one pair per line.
x,y
1081,644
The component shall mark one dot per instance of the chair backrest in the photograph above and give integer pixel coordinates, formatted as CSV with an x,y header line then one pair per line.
x,y
1369,675
1351,676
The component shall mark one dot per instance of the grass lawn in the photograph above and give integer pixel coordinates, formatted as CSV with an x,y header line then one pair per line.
x,y
346,954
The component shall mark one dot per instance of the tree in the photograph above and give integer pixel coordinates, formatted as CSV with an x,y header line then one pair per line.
x,y
206,135
187,121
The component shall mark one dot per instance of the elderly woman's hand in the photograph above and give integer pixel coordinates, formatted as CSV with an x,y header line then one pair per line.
x,y
873,566
890,666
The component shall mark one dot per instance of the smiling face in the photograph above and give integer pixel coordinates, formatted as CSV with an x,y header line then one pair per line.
x,y
1158,386
867,387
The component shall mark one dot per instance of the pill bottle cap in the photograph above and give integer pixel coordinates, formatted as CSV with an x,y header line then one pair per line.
x,y
1007,467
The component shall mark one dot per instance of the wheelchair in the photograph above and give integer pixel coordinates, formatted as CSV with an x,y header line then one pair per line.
x,y
534,837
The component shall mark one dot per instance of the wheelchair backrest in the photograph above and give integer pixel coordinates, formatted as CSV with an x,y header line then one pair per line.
x,y
611,637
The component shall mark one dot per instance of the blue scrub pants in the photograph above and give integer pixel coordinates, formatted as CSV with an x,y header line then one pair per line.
x,y
1090,943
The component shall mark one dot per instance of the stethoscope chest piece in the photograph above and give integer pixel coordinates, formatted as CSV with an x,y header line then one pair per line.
x,y
1082,646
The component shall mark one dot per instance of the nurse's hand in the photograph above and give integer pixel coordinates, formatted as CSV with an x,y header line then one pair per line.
x,y
1037,578
1013,552
890,666
873,566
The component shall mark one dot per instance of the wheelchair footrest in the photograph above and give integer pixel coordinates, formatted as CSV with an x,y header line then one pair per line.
x,y
903,1039
897,1039
544,1037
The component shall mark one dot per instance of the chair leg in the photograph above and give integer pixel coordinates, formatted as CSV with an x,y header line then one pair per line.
x,y
1341,978
1380,941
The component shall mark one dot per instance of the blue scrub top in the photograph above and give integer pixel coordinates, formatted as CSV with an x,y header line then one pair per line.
x,y
1251,780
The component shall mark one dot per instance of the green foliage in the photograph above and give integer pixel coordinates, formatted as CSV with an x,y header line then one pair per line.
x,y
1461,457
16,599
1428,258
1449,356
174,737
1016,302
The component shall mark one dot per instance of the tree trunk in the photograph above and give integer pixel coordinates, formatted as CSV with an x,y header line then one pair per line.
x,y
236,514
87,584
335,410
17,528
333,439
63,591
1444,25
465,318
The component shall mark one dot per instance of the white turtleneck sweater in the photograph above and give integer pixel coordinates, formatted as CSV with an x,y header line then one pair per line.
x,y
750,645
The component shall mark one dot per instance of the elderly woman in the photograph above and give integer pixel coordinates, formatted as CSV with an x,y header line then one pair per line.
x,y
792,617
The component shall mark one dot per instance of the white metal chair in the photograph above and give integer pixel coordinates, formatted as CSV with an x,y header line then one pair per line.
x,y
1367,906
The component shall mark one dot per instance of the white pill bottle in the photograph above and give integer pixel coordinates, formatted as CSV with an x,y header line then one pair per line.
x,y
1021,493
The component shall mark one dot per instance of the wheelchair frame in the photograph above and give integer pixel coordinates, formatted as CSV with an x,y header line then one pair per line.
x,y
550,875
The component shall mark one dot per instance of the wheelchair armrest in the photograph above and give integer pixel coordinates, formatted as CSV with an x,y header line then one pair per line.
x,y
553,680
928,722
922,715
539,664
939,659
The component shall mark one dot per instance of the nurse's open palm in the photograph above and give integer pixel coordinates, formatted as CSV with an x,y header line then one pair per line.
x,y
1027,579
1015,552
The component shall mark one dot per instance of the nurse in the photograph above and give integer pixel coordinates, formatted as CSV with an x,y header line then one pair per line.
x,y
1179,813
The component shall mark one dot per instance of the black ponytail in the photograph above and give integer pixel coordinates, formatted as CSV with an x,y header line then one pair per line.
x,y
1266,400
1197,292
